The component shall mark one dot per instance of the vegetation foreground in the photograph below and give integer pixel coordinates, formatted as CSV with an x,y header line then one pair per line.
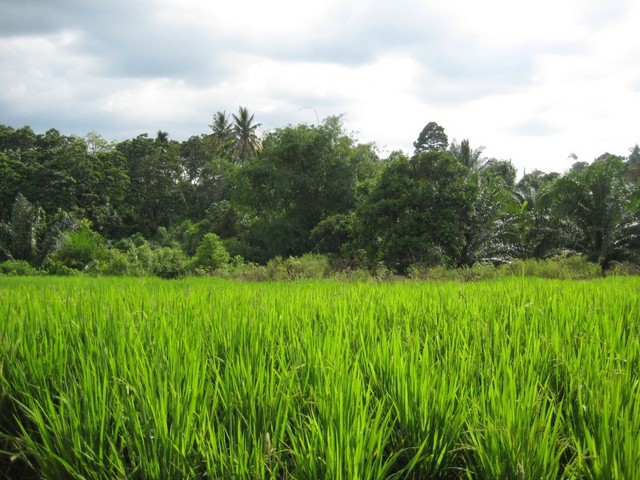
x,y
201,378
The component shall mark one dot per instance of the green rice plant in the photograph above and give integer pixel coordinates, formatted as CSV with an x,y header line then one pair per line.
x,y
207,378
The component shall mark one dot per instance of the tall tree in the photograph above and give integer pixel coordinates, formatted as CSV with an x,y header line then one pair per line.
x,y
417,212
155,169
19,238
13,174
222,135
304,174
17,152
499,168
535,230
600,206
487,229
431,139
632,165
247,144
97,144
470,158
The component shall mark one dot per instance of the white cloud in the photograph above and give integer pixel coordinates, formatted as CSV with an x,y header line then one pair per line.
x,y
532,82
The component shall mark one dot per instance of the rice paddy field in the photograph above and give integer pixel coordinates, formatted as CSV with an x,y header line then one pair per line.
x,y
516,378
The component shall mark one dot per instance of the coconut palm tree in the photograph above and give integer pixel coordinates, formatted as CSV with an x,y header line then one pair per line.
x,y
222,134
247,144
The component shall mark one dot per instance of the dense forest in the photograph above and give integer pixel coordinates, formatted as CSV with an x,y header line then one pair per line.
x,y
230,197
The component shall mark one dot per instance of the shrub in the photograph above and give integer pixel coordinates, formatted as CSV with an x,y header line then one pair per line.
x,y
619,269
17,267
80,250
568,267
118,264
294,268
169,263
211,254
55,267
575,267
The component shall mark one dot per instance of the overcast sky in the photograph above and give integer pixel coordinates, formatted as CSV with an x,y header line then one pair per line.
x,y
533,82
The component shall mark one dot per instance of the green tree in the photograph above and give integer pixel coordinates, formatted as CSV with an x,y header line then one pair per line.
x,y
490,183
470,158
535,229
247,145
77,175
12,177
600,207
211,254
97,144
195,153
499,168
431,139
169,262
417,212
155,197
304,174
105,204
335,233
632,165
223,132
80,249
58,173
19,238
487,228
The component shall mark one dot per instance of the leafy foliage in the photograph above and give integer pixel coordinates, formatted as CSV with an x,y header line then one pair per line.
x,y
300,189
169,262
17,267
19,238
81,249
432,138
247,145
211,254
304,174
598,203
416,212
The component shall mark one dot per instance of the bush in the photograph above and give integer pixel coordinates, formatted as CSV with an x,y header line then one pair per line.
x,y
55,267
211,254
623,269
119,264
568,267
353,275
139,257
80,250
169,263
16,268
295,268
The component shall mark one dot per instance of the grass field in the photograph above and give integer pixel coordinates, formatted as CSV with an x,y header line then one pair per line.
x,y
199,378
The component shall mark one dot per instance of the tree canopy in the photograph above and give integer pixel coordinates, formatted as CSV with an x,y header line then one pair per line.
x,y
69,202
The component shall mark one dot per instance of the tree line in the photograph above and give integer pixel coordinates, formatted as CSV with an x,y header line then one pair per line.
x,y
231,195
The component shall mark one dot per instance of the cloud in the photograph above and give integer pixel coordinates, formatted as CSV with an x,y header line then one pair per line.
x,y
532,81
534,128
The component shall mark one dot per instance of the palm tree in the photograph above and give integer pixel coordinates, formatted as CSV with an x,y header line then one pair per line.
x,y
222,134
536,231
470,158
247,144
599,203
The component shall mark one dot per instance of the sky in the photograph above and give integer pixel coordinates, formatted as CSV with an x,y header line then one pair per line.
x,y
532,82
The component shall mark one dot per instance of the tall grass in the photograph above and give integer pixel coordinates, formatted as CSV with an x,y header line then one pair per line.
x,y
200,378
